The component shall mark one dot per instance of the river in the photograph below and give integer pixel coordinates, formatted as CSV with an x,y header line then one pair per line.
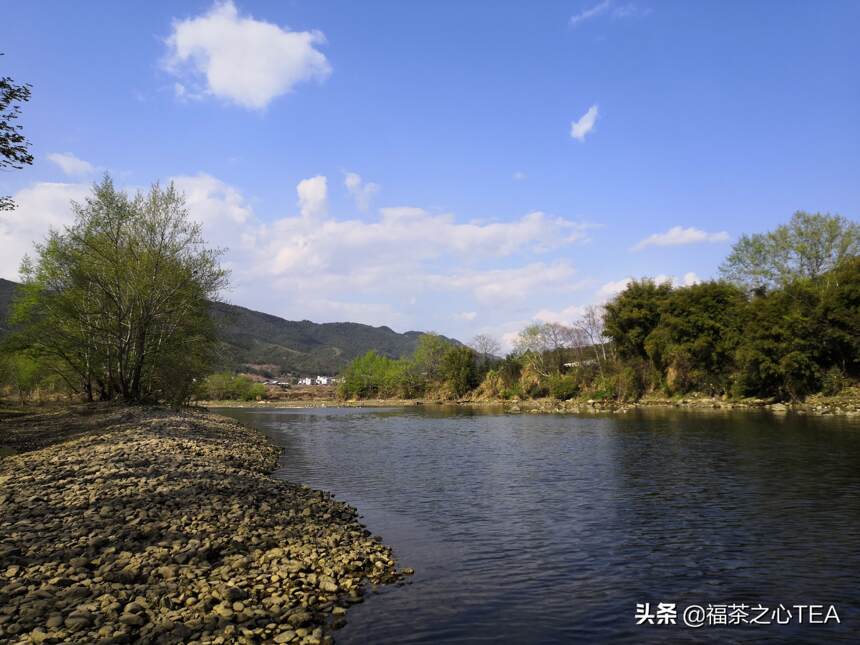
x,y
552,528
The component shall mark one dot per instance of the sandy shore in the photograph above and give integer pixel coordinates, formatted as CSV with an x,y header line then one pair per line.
x,y
145,525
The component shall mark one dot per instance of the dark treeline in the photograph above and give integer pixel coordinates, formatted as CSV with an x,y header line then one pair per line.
x,y
782,323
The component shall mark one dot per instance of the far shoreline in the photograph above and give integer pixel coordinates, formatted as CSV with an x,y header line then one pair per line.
x,y
847,406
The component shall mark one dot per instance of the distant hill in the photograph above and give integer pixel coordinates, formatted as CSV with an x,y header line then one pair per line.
x,y
257,342
267,344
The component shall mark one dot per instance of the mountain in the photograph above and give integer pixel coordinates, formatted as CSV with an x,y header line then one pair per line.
x,y
265,344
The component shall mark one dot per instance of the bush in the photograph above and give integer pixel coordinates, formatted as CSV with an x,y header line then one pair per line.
x,y
801,375
563,387
225,386
833,382
459,370
629,383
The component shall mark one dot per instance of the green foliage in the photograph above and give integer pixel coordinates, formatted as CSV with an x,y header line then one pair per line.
x,y
437,365
779,344
373,375
563,387
14,146
633,314
839,318
22,373
119,301
833,382
810,245
696,336
251,340
224,386
429,357
460,370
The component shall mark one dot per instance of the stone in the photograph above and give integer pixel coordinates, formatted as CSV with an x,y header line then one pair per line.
x,y
133,620
232,594
77,622
54,621
171,533
299,618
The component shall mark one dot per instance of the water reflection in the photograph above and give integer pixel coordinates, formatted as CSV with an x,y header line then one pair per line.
x,y
541,528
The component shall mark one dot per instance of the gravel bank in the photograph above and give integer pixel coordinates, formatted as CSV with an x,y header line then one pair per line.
x,y
145,525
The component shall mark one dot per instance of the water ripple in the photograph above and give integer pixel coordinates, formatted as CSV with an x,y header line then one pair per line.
x,y
549,529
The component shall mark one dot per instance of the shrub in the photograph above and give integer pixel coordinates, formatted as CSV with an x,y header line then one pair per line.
x,y
833,382
224,386
563,387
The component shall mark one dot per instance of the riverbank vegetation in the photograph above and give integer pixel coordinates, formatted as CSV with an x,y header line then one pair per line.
x,y
783,322
119,306
116,306
438,368
225,386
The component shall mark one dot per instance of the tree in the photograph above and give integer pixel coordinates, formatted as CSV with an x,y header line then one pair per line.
x,y
779,352
459,369
694,342
14,147
21,372
810,245
591,326
486,346
839,314
428,357
633,314
375,375
542,346
223,386
120,299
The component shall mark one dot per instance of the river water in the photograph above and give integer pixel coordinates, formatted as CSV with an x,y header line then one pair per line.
x,y
551,528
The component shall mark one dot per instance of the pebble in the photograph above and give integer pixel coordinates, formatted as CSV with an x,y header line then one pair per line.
x,y
147,524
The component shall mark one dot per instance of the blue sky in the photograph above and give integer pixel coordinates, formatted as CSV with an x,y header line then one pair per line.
x,y
471,206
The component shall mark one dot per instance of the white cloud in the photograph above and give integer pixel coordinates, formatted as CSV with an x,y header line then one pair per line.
x,y
579,129
246,61
687,280
566,316
308,264
70,164
408,235
40,208
629,10
519,175
313,196
612,289
678,235
494,286
361,192
591,12
227,219
607,8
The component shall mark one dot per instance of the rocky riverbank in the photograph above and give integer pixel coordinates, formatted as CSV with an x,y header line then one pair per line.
x,y
844,405
147,525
